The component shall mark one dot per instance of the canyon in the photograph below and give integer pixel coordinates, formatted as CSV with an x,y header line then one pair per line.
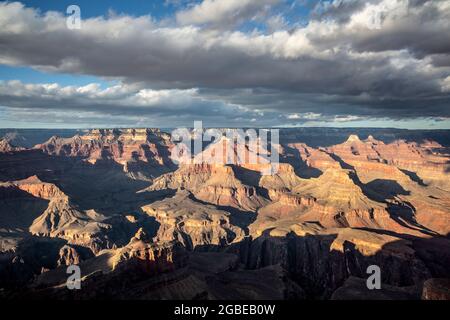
x,y
142,226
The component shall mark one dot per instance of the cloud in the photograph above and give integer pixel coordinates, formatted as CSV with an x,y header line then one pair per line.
x,y
118,102
339,10
125,105
354,59
223,14
305,116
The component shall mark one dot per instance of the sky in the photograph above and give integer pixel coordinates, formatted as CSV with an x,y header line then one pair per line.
x,y
228,63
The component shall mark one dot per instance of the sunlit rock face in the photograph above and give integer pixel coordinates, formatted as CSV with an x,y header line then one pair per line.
x,y
143,153
423,159
191,223
114,202
6,146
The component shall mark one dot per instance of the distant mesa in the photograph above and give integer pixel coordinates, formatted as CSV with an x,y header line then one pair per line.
x,y
353,138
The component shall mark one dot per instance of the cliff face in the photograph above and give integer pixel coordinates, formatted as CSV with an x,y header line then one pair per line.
x,y
215,184
322,260
6,146
315,158
141,152
150,258
34,186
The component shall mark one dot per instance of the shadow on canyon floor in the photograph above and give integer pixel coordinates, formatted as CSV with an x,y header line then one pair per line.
x,y
414,177
316,263
103,186
301,169
18,209
320,269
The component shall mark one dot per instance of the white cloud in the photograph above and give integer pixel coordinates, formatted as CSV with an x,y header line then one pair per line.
x,y
347,118
93,94
304,116
446,84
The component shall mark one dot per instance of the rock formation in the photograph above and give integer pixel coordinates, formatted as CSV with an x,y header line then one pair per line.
x,y
113,202
192,223
5,146
142,152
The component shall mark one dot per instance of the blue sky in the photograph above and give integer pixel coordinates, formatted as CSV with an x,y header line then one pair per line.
x,y
227,62
30,75
156,8
296,10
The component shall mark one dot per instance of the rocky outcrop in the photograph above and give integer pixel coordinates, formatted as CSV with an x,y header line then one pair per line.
x,y
336,188
215,184
315,158
39,189
284,177
149,257
192,223
83,228
436,289
73,255
6,146
289,199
